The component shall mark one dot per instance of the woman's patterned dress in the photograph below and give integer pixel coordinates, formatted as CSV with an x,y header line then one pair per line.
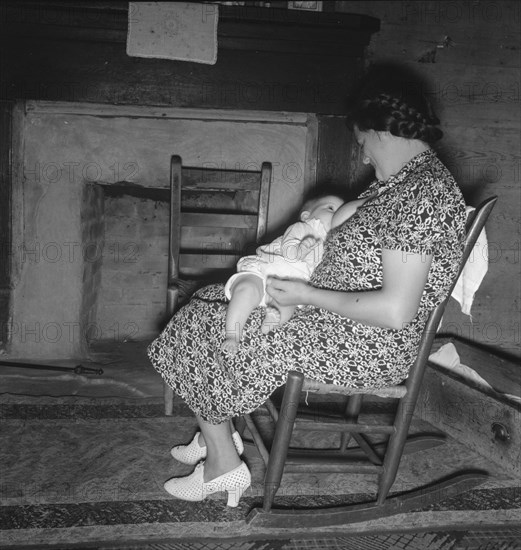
x,y
420,210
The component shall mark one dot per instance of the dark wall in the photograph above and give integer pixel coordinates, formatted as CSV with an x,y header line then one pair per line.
x,y
268,59
468,53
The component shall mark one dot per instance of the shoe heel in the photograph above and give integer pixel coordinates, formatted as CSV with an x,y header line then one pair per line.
x,y
235,494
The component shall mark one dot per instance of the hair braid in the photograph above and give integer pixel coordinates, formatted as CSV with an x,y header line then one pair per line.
x,y
401,116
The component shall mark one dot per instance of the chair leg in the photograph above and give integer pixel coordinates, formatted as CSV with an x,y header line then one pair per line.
x,y
354,404
274,413
395,448
240,425
282,437
172,296
169,400
257,439
368,448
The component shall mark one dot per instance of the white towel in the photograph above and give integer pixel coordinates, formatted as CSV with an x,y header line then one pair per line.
x,y
447,356
184,31
473,273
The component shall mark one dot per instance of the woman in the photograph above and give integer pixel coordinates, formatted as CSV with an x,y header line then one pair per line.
x,y
383,271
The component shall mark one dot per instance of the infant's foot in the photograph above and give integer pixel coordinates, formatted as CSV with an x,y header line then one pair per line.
x,y
230,345
271,320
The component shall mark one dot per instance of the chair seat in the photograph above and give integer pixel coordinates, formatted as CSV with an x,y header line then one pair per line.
x,y
390,392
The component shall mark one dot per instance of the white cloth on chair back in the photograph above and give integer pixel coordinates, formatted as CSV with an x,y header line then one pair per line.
x,y
473,272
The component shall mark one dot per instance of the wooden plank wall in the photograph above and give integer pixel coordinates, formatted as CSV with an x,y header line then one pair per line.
x,y
5,218
469,54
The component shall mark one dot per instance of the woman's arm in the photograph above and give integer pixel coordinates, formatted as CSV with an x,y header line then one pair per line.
x,y
396,303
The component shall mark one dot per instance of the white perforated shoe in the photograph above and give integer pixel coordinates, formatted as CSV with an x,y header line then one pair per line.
x,y
193,453
194,489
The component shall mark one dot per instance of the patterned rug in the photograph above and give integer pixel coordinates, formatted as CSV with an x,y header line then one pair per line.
x,y
88,473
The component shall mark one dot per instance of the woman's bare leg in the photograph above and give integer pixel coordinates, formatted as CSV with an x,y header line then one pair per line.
x,y
286,313
201,440
221,455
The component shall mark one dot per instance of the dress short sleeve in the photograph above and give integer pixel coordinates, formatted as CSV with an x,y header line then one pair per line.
x,y
417,217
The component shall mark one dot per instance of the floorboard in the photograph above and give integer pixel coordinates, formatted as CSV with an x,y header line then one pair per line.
x,y
87,471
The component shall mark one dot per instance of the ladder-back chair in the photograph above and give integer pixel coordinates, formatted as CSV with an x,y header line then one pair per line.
x,y
215,215
366,458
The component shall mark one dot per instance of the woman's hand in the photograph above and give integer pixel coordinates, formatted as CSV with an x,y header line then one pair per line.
x,y
288,292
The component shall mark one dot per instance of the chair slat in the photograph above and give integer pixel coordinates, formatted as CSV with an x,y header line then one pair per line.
x,y
207,261
203,219
243,201
227,239
330,465
200,178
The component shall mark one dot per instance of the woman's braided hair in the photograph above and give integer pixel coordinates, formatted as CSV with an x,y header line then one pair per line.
x,y
388,113
395,104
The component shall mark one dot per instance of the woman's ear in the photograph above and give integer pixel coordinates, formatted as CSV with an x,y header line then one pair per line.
x,y
304,215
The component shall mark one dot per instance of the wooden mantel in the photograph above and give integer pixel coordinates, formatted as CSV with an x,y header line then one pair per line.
x,y
268,59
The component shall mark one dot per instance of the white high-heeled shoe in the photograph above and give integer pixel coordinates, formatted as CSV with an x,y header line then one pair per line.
x,y
194,489
193,453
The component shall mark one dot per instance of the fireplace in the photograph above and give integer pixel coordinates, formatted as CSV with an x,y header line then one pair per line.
x,y
91,244
90,132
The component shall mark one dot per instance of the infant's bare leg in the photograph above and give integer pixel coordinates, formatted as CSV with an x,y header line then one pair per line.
x,y
286,313
271,319
276,317
246,295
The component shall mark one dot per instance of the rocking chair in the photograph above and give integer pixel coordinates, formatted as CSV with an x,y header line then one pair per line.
x,y
367,458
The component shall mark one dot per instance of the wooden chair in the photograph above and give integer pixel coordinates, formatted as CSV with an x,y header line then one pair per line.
x,y
367,457
214,216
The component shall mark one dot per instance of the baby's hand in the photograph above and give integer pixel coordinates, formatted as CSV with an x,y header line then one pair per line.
x,y
308,243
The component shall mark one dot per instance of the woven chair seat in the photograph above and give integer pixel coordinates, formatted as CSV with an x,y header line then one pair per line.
x,y
325,389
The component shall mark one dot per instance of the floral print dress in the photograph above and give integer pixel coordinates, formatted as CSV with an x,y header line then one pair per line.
x,y
420,210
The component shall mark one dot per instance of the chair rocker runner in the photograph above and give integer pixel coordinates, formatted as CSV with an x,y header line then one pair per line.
x,y
214,215
366,458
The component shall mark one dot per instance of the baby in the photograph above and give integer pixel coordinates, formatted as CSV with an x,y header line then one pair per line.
x,y
293,255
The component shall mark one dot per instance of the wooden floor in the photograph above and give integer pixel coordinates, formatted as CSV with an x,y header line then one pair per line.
x,y
89,469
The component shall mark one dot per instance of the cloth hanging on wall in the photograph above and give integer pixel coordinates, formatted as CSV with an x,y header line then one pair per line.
x,y
182,31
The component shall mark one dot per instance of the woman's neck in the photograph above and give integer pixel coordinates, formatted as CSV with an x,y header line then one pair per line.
x,y
401,151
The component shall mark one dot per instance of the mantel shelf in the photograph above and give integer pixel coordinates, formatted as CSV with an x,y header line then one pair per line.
x,y
115,14
269,59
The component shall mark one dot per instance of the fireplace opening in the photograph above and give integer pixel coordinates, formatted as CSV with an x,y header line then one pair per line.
x,y
90,247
